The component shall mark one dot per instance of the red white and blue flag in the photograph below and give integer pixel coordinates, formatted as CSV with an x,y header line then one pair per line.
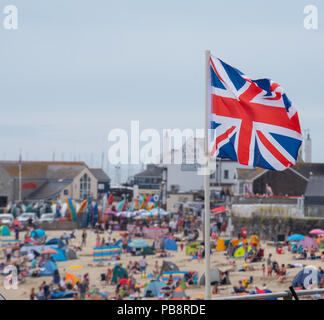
x,y
251,121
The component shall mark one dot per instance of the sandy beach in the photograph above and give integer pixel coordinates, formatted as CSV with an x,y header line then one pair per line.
x,y
183,261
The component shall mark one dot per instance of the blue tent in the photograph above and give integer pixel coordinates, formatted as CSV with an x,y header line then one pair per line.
x,y
170,244
56,241
39,233
60,256
305,277
153,288
48,269
4,231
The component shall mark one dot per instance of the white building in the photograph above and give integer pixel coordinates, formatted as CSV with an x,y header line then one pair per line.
x,y
186,177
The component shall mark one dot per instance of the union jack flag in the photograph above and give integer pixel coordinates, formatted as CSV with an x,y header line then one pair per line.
x,y
251,121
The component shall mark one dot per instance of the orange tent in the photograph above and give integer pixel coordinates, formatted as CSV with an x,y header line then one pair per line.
x,y
71,277
220,245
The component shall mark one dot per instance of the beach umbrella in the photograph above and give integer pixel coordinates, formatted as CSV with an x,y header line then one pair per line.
x,y
316,231
139,243
49,251
295,237
307,243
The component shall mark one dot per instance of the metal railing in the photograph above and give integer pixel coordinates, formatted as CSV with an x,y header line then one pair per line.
x,y
286,295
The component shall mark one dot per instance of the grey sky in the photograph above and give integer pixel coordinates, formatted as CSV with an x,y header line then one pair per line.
x,y
76,69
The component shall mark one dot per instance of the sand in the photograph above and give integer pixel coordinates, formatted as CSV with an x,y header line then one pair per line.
x,y
184,262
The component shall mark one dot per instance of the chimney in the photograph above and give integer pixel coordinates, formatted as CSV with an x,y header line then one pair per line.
x,y
308,148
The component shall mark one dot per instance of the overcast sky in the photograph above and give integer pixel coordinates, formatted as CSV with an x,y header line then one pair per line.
x,y
75,69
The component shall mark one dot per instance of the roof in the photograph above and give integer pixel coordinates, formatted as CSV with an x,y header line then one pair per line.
x,y
39,169
315,187
249,174
307,169
100,175
63,171
151,171
49,190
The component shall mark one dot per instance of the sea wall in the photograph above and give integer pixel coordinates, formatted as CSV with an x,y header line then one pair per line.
x,y
266,210
62,225
269,227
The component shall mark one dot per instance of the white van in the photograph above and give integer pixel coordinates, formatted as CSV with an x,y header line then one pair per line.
x,y
7,218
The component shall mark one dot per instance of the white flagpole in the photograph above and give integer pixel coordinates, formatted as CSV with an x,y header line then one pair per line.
x,y
207,184
20,168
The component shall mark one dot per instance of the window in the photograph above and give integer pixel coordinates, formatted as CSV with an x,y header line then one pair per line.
x,y
85,187
101,186
225,174
175,188
241,191
66,192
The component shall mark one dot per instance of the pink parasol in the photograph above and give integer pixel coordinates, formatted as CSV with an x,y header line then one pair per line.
x,y
317,231
307,243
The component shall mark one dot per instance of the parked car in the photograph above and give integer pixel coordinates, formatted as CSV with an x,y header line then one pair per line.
x,y
24,217
47,217
7,219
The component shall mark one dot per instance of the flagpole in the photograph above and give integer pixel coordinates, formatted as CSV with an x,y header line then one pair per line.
x,y
20,168
207,184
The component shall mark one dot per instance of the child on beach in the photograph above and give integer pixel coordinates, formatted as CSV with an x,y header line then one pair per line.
x,y
32,294
270,270
199,255
98,241
263,270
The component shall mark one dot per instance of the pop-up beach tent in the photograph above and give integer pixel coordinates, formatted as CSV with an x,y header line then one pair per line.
x,y
170,244
215,276
57,242
239,253
118,271
4,231
169,266
48,269
60,255
306,276
192,248
153,288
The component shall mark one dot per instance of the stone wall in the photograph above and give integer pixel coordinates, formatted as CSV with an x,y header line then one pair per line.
x,y
68,225
268,210
269,228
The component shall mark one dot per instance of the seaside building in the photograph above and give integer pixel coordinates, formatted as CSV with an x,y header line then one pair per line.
x,y
290,182
103,180
314,196
149,181
48,180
